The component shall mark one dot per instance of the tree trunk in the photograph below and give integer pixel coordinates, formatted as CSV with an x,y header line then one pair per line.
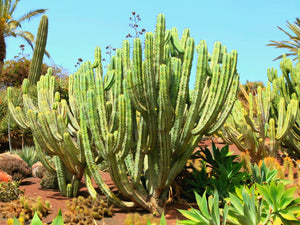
x,y
2,51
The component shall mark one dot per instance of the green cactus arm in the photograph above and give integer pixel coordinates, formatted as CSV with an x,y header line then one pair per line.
x,y
289,120
121,131
98,58
72,98
127,142
52,121
199,84
101,106
42,157
182,94
250,121
234,138
164,126
39,51
148,76
215,55
62,184
18,115
227,107
93,167
89,185
272,135
93,123
175,40
185,35
126,55
132,93
175,79
159,42
38,133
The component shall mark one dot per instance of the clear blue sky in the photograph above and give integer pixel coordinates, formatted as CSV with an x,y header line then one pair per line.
x,y
77,27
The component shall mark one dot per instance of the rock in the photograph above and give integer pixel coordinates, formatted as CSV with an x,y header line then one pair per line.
x,y
14,165
38,170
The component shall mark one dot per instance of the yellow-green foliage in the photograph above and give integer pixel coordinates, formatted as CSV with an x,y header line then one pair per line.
x,y
137,219
85,210
25,207
10,191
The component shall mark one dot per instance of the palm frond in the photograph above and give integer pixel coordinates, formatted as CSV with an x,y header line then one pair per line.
x,y
31,14
13,24
293,44
14,7
27,36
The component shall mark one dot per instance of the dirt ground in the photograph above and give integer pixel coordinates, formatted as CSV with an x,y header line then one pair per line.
x,y
57,201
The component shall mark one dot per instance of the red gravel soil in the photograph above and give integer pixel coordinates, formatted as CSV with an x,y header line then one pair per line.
x,y
57,201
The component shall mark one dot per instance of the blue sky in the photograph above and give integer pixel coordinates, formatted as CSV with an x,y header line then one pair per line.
x,y
77,27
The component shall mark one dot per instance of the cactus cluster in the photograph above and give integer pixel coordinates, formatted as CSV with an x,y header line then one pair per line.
x,y
254,129
288,86
140,118
10,191
85,210
25,207
55,132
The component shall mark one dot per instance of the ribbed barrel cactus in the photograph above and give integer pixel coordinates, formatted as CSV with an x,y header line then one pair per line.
x,y
143,119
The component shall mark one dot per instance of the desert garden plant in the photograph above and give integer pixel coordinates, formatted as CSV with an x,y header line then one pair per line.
x,y
140,118
221,171
209,212
288,87
269,204
254,129
147,123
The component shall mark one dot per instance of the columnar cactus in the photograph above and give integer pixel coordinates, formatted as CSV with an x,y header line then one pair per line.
x,y
252,129
288,85
54,130
146,122
39,51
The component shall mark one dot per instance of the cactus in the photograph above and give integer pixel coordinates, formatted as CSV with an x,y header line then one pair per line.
x,y
10,191
25,207
85,210
147,122
258,133
39,51
288,85
54,128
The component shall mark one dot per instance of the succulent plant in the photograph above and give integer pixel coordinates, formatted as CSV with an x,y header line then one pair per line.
x,y
25,207
49,180
85,210
10,191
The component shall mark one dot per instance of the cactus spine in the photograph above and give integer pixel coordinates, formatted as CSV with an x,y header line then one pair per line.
x,y
39,51
147,123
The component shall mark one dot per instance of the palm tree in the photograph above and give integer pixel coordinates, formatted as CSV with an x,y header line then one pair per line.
x,y
8,26
293,44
